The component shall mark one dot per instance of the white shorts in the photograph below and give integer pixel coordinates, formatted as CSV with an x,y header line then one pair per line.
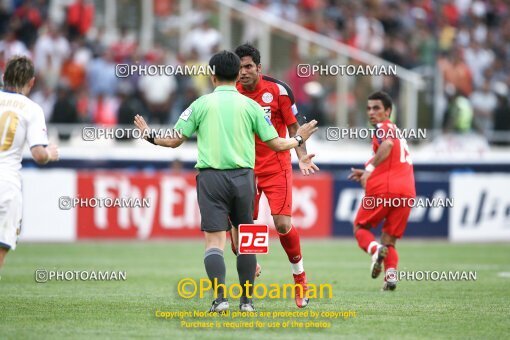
x,y
10,214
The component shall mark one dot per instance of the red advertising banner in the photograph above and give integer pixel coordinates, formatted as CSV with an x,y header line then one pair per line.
x,y
172,209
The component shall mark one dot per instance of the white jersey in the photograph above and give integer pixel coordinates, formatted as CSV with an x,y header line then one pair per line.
x,y
20,120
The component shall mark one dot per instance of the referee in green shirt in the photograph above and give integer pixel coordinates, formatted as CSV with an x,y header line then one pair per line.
x,y
225,122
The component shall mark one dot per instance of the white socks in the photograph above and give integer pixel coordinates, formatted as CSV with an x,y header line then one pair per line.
x,y
373,243
297,268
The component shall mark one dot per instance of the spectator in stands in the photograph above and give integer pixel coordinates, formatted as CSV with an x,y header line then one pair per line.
x,y
130,105
297,83
51,49
284,9
502,114
73,72
478,59
183,101
11,46
204,39
369,33
45,96
80,18
4,19
484,103
157,92
459,113
104,109
315,109
27,19
64,111
125,47
202,83
101,78
456,72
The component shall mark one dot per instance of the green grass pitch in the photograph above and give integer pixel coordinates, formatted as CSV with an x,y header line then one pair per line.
x,y
126,309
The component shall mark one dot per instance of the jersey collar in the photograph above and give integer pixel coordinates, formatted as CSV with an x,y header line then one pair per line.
x,y
387,121
225,88
258,87
7,91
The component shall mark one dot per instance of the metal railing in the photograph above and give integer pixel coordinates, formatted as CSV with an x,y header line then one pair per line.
x,y
412,82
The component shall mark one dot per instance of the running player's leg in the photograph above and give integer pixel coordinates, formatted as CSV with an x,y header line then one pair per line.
x,y
390,262
3,253
393,229
10,218
364,221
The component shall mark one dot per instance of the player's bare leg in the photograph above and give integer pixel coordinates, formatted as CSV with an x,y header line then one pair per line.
x,y
289,238
215,267
390,262
3,254
234,242
366,242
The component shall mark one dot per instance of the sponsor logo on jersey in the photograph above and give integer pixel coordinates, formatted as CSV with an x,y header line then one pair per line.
x,y
267,110
185,115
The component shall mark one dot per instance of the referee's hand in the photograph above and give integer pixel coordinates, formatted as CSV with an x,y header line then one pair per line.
x,y
142,125
307,129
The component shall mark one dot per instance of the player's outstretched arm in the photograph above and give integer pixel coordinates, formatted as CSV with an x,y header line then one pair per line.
x,y
304,132
45,154
167,142
306,165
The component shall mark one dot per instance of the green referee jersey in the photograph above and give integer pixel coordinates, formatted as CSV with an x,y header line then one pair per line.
x,y
225,122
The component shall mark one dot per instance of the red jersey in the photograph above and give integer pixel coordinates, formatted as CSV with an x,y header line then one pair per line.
x,y
395,174
277,101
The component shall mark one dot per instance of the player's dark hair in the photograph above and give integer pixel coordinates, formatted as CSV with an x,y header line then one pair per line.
x,y
18,72
383,97
226,65
247,50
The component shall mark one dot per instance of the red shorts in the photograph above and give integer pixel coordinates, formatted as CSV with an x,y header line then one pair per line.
x,y
395,218
278,190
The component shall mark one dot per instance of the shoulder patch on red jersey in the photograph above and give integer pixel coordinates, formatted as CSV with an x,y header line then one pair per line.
x,y
282,86
284,90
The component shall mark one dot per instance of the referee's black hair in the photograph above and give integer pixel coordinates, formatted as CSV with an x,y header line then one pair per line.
x,y
383,97
247,50
226,65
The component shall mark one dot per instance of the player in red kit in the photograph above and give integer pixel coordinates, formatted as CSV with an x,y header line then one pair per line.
x,y
273,170
388,181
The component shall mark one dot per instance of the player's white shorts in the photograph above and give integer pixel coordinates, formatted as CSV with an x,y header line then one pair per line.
x,y
10,214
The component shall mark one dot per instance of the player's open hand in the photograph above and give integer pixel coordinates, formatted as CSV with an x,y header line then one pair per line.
x,y
356,174
364,178
306,165
307,129
142,125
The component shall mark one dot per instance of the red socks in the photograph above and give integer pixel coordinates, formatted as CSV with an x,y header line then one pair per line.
x,y
364,237
391,260
291,245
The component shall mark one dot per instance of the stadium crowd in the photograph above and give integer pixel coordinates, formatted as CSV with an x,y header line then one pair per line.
x,y
75,58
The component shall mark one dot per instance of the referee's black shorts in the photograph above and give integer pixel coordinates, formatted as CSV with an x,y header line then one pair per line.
x,y
224,194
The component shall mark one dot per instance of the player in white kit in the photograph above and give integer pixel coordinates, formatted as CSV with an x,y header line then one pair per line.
x,y
21,120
